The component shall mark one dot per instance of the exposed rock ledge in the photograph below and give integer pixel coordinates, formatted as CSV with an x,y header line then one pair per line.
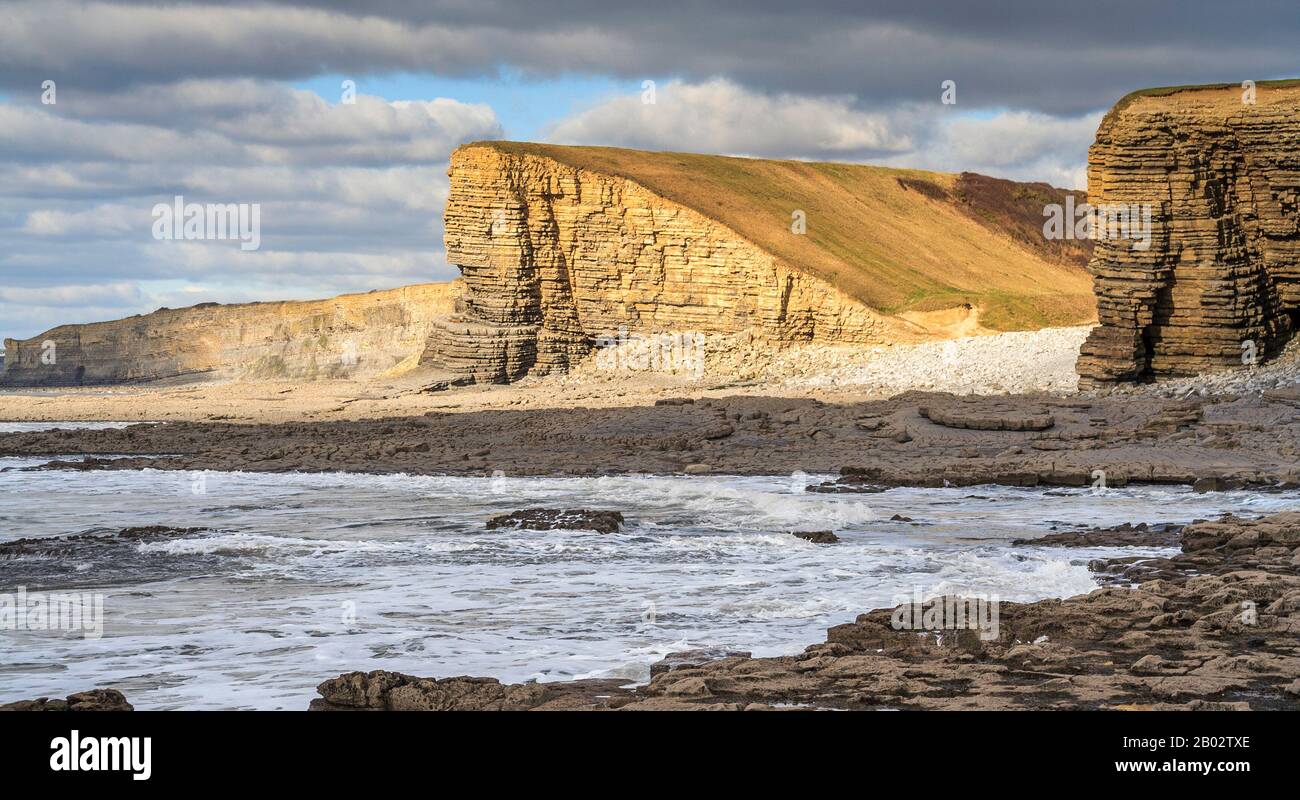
x,y
93,700
1235,441
1221,180
1216,629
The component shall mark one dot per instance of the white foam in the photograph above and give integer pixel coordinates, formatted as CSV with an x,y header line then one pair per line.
x,y
330,573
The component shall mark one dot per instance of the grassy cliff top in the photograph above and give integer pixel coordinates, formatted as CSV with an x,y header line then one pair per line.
x,y
1191,89
901,240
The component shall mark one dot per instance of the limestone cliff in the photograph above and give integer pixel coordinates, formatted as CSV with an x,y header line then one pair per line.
x,y
561,245
1221,277
338,337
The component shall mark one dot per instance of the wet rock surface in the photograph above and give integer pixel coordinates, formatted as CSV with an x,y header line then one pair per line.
x,y
1126,535
550,519
81,543
93,700
393,691
1242,440
1217,629
98,557
816,537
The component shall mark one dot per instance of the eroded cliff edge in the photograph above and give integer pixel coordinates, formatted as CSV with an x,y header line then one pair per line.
x,y
352,334
1221,278
559,246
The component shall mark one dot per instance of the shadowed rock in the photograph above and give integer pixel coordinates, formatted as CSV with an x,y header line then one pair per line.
x,y
816,537
986,416
84,544
1126,535
1253,440
549,519
93,700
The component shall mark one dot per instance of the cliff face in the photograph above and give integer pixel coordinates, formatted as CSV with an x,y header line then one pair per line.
x,y
1221,277
551,255
558,246
345,335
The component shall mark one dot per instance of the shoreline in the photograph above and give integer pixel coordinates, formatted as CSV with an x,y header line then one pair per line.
x,y
1158,633
1210,629
920,439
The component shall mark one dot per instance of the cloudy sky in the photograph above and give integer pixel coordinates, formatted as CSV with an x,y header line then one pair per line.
x,y
239,102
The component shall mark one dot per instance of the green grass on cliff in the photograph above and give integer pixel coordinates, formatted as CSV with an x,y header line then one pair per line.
x,y
900,240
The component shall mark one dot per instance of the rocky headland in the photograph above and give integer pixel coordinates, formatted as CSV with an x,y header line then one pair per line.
x,y
1218,282
565,249
560,246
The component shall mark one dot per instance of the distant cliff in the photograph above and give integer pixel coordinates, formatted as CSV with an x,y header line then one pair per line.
x,y
1220,282
561,245
342,336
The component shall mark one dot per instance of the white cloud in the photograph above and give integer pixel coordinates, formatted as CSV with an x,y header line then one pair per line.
x,y
102,221
351,195
115,295
722,117
719,116
1019,145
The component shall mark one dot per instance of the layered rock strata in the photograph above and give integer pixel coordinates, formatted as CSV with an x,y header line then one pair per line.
x,y
551,255
1219,284
342,336
556,256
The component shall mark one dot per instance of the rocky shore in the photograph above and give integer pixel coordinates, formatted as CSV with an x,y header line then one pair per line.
x,y
915,439
1216,627
93,700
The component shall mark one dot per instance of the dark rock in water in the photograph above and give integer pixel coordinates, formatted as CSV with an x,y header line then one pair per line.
x,y
816,537
86,464
1126,535
548,519
845,486
85,543
1214,484
93,700
687,659
101,557
900,518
